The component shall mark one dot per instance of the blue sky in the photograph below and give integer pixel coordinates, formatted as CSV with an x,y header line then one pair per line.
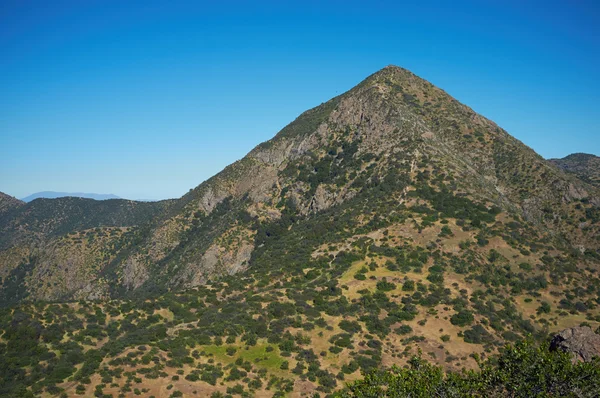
x,y
146,99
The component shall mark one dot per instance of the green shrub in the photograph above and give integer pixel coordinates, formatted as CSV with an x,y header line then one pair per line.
x,y
462,318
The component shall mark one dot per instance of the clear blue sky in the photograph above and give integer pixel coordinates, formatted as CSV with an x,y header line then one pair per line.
x,y
146,99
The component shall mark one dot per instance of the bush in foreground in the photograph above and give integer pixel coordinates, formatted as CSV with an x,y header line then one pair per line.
x,y
522,370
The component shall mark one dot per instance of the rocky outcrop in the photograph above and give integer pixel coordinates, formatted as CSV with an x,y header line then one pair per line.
x,y
135,273
217,260
580,341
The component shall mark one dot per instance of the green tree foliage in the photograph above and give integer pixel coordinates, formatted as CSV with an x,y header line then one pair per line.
x,y
462,318
522,370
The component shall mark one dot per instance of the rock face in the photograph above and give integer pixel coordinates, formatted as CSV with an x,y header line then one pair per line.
x,y
580,341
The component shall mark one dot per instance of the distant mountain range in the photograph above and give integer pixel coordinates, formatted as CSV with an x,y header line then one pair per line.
x,y
54,195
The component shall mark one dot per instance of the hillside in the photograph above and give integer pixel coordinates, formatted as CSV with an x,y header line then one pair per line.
x,y
388,220
50,248
8,203
582,165
56,217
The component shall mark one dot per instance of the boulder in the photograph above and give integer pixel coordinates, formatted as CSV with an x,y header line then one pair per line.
x,y
580,341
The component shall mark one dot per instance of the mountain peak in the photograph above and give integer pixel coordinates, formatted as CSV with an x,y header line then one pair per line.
x,y
395,73
392,68
394,86
389,74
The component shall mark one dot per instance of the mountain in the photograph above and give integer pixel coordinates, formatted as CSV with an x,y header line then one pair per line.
x,y
54,195
391,219
582,165
393,132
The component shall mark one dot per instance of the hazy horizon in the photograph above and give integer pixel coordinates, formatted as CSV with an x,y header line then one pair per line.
x,y
148,99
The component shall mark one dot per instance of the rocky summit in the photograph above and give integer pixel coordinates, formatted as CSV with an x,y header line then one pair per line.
x,y
388,221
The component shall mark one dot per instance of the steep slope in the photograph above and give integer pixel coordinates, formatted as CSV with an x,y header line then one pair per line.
x,y
584,166
387,221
